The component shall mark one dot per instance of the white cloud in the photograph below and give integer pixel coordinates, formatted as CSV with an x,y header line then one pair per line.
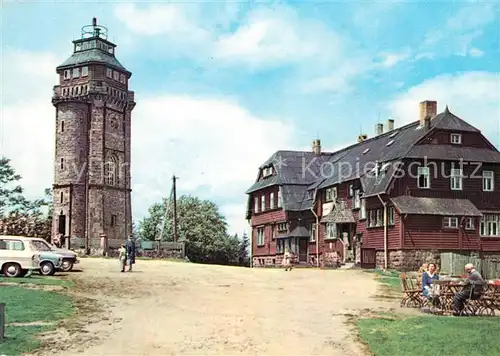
x,y
457,34
473,96
273,36
213,145
28,117
174,19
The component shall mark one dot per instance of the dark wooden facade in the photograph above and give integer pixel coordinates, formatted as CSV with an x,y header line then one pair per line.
x,y
418,209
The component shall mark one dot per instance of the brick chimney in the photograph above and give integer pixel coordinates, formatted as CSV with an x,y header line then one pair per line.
x,y
428,108
362,137
390,125
379,129
316,147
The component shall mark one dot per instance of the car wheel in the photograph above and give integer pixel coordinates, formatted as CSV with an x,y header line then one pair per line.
x,y
47,268
66,266
12,270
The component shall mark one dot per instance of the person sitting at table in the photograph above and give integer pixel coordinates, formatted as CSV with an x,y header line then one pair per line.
x,y
473,289
427,278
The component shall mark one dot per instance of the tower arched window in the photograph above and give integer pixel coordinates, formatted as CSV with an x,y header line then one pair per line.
x,y
111,170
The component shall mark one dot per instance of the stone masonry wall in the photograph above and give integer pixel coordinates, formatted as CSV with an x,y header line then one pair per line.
x,y
412,260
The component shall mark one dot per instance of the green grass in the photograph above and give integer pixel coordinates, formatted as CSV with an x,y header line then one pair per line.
x,y
30,306
431,336
38,280
389,278
391,334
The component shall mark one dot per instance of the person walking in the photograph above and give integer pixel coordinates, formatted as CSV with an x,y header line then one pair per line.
x,y
287,259
130,249
122,257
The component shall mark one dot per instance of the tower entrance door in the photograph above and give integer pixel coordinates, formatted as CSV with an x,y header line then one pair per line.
x,y
62,224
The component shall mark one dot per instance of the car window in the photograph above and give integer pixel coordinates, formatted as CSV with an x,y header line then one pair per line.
x,y
3,245
40,246
13,245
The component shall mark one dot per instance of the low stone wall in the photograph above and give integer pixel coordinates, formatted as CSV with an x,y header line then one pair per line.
x,y
412,260
407,260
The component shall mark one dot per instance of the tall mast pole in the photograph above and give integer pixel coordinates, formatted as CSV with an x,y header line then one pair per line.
x,y
174,222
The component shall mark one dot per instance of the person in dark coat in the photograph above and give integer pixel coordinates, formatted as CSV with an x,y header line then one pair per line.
x,y
473,289
130,248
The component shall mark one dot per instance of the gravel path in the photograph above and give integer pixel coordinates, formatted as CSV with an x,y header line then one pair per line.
x,y
169,308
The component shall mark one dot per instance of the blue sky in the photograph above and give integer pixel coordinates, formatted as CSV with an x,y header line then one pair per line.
x,y
221,85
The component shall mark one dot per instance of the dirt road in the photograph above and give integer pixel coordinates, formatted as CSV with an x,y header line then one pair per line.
x,y
169,308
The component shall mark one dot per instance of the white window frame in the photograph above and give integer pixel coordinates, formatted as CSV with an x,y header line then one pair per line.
x,y
331,194
116,75
85,71
260,236
283,226
271,200
330,231
362,209
109,73
425,172
280,198
489,225
351,190
122,78
255,204
456,179
380,217
391,216
76,73
372,218
312,230
263,202
450,222
456,139
469,224
67,74
356,201
488,181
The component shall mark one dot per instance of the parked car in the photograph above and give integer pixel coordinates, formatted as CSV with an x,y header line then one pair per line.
x,y
49,262
70,258
17,256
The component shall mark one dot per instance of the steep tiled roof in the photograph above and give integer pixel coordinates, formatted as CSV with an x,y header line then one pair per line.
x,y
92,55
435,206
470,154
448,121
292,167
358,160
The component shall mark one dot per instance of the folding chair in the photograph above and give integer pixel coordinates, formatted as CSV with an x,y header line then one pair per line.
x,y
411,293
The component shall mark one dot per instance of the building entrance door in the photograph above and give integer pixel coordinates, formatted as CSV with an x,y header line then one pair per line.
x,y
62,224
302,250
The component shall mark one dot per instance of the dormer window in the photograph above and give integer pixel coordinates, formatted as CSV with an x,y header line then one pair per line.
x,y
76,72
266,172
122,79
109,73
331,194
116,76
67,74
456,139
85,71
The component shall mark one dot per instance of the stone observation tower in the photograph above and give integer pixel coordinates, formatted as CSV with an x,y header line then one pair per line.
x,y
92,156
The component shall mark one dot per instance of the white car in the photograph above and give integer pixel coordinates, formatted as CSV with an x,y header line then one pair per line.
x,y
17,256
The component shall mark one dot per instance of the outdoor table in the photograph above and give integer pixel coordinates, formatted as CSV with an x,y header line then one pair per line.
x,y
444,290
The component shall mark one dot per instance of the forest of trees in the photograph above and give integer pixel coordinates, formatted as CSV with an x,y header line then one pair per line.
x,y
200,224
19,215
